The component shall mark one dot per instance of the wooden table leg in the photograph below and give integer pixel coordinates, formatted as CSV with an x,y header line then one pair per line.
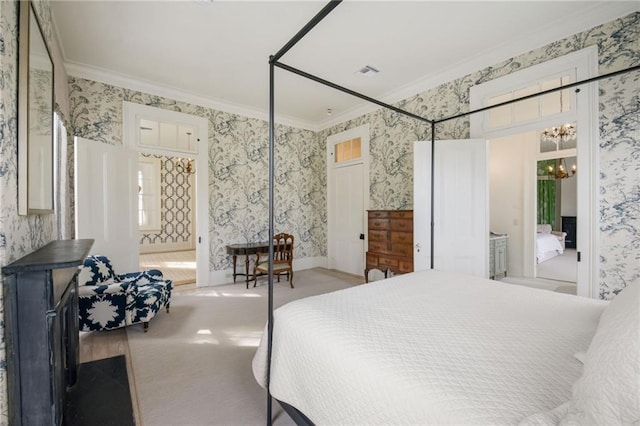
x,y
246,269
234,267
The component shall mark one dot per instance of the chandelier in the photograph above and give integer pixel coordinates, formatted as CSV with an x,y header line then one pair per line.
x,y
186,165
561,171
557,134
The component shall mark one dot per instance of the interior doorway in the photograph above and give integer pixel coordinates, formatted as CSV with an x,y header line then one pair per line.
x,y
347,199
557,218
549,111
531,202
178,142
166,216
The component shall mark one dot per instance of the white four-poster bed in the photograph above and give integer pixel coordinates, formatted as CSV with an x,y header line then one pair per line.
x,y
434,347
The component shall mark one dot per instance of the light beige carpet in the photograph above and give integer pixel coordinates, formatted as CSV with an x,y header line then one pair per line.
x,y
193,367
560,268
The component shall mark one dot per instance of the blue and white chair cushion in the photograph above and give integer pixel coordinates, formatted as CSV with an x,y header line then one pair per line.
x,y
108,300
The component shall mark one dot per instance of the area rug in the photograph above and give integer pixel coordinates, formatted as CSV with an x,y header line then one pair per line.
x,y
101,396
193,366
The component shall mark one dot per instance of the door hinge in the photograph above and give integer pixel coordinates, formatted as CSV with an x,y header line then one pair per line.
x,y
199,240
579,257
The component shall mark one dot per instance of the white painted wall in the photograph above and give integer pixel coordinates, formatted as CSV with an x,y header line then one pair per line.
x,y
511,170
569,200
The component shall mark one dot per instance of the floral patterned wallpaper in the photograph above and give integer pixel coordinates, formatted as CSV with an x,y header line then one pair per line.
x,y
391,157
238,155
238,169
19,235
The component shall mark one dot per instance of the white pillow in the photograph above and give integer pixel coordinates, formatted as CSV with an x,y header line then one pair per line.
x,y
608,393
543,228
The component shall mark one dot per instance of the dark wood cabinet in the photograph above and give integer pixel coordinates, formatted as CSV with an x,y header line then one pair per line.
x,y
569,225
41,330
390,246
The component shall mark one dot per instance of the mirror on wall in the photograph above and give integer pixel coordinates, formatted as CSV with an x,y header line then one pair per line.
x,y
35,116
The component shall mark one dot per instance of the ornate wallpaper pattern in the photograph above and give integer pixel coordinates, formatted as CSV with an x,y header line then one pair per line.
x,y
19,235
238,169
238,155
391,157
176,211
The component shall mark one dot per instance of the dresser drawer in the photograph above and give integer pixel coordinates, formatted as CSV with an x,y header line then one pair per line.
x,y
405,266
376,214
500,242
401,237
402,225
379,223
372,260
378,235
387,262
379,247
402,249
401,214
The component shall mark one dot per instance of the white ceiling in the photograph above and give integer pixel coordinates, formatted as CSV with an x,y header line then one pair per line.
x,y
216,53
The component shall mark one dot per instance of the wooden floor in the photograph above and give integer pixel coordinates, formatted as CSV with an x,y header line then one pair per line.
x,y
178,266
95,345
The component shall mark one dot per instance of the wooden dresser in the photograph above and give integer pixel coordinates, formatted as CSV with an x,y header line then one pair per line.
x,y
390,241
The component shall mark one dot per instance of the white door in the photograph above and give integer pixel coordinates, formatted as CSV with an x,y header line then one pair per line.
x,y
347,252
347,199
460,216
107,201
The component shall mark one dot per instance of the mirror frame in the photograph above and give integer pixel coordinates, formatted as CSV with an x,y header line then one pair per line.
x,y
28,20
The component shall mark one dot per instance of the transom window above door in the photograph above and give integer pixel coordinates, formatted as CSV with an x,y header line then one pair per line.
x,y
162,131
167,135
529,110
348,150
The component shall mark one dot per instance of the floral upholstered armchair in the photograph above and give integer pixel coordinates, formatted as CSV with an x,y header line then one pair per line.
x,y
108,300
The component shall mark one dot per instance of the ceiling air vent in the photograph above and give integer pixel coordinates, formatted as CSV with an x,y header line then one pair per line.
x,y
368,71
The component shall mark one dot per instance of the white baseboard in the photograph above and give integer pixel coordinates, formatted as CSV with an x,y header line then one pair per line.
x,y
226,276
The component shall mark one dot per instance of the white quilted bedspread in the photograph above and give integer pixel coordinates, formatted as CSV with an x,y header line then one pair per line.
x,y
428,348
546,243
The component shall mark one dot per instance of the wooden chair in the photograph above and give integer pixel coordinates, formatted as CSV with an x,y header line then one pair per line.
x,y
282,259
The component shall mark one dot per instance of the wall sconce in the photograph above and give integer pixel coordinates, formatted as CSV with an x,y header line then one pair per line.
x,y
186,165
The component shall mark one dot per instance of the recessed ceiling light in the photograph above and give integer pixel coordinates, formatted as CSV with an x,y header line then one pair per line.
x,y
368,71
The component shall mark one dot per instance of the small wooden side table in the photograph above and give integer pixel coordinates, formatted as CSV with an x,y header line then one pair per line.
x,y
245,249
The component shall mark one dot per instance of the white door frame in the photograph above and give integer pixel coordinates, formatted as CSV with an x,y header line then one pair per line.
x,y
201,157
361,132
585,64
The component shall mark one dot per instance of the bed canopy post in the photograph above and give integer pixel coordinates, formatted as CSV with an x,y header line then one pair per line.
x,y
542,93
433,174
348,91
274,62
271,230
308,27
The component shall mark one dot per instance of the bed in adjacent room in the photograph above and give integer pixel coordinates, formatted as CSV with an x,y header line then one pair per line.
x,y
549,244
434,347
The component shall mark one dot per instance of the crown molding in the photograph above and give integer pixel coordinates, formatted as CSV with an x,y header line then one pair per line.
x,y
582,20
109,77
